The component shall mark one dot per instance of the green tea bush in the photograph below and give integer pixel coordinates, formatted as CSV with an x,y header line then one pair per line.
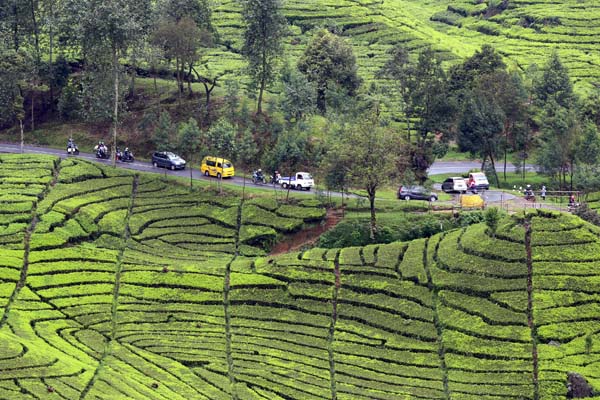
x,y
404,227
192,300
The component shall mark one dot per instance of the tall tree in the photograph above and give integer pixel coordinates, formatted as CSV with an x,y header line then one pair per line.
x,y
328,60
560,134
263,34
15,68
480,128
184,27
190,139
180,40
297,98
554,84
424,87
483,62
197,10
507,92
591,106
109,27
369,154
161,137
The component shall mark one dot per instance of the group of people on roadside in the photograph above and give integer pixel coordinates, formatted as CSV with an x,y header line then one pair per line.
x,y
530,194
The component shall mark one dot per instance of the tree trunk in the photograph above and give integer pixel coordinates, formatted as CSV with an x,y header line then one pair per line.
x,y
483,162
36,33
116,104
207,92
571,176
189,80
191,172
505,150
373,230
50,55
494,169
178,79
16,25
132,82
22,136
504,172
32,111
263,78
260,97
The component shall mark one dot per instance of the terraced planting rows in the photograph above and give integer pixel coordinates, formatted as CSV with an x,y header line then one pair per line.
x,y
116,286
125,286
526,32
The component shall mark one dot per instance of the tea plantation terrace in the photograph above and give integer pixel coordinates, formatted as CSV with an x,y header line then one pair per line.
x,y
117,285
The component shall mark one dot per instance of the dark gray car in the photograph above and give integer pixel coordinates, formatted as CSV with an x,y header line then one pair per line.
x,y
416,193
167,159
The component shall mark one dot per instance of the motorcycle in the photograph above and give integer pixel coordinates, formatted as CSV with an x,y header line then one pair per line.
x,y
529,196
102,152
72,149
572,207
125,156
258,178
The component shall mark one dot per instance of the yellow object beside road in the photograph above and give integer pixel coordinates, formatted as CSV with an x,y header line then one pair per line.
x,y
471,201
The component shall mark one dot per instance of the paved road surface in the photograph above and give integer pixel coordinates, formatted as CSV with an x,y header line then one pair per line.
x,y
438,167
459,167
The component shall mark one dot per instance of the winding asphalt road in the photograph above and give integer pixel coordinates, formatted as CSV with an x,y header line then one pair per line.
x,y
439,167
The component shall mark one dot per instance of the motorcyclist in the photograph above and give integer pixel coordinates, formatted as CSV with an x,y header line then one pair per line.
x,y
71,146
276,177
528,193
127,155
258,177
101,150
473,187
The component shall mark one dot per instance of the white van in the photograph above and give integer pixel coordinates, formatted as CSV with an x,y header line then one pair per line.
x,y
454,184
481,181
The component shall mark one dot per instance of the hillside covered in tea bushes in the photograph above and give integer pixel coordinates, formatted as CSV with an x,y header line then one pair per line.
x,y
524,31
114,285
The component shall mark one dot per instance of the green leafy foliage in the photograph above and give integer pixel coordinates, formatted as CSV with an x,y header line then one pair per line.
x,y
171,287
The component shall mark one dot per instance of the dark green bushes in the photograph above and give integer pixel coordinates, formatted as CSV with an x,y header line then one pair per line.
x,y
404,227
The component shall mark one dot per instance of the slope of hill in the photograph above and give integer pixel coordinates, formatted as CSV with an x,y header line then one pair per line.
x,y
524,31
115,285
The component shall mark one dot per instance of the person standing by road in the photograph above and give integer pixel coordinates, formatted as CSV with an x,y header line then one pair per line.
x,y
543,193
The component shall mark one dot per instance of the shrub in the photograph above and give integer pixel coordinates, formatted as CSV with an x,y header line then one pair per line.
x,y
402,228
492,217
586,213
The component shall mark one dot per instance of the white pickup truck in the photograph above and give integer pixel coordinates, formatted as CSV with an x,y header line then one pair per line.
x,y
300,180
